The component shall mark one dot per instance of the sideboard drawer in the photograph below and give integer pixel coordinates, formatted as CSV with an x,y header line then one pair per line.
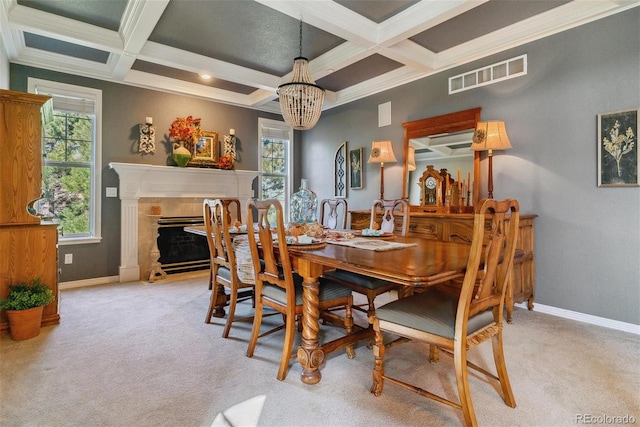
x,y
426,229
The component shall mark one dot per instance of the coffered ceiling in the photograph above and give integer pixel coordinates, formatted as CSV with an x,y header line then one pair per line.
x,y
356,47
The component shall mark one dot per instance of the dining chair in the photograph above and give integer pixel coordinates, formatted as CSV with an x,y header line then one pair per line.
x,y
458,322
388,217
279,288
224,264
330,216
370,286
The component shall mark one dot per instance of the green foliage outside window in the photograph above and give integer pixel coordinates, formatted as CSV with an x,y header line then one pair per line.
x,y
68,143
274,171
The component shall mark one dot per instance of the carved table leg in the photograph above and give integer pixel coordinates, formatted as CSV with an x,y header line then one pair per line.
x,y
310,354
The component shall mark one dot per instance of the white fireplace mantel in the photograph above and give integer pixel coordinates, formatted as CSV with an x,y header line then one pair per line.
x,y
139,180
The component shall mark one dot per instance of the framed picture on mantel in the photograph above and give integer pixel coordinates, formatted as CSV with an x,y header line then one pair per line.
x,y
206,151
618,159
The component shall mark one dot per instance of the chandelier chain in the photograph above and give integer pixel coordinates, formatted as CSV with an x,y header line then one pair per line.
x,y
300,37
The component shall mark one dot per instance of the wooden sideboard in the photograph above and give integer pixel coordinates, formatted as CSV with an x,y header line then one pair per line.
x,y
28,248
459,228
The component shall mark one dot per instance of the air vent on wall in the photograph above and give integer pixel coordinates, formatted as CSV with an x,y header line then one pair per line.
x,y
490,74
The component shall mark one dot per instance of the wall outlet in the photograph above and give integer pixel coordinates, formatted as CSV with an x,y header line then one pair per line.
x,y
68,258
112,191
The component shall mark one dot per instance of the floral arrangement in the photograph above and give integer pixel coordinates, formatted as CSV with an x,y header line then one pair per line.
x,y
226,162
185,129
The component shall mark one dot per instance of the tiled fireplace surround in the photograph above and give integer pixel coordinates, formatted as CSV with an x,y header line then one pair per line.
x,y
178,192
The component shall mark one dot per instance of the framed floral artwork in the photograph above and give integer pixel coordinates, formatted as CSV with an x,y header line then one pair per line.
x,y
356,169
618,160
206,151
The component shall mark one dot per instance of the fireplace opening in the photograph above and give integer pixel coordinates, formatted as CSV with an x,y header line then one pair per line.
x,y
181,251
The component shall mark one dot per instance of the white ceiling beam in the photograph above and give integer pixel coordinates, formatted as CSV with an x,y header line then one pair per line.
x,y
420,17
413,55
54,26
363,38
62,63
329,16
337,58
188,61
138,21
556,20
167,84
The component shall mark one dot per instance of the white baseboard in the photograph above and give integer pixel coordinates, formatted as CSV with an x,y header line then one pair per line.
x,y
585,318
88,282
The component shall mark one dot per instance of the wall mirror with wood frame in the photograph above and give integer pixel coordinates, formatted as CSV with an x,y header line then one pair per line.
x,y
442,142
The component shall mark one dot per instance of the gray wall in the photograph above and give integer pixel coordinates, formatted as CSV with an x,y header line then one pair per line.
x,y
587,238
124,107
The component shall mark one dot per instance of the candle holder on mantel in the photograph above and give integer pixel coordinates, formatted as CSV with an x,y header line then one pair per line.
x,y
156,267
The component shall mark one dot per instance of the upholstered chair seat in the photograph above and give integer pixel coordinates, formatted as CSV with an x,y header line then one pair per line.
x,y
433,311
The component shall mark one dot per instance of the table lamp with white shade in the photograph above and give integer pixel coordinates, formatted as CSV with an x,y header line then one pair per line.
x,y
490,136
382,152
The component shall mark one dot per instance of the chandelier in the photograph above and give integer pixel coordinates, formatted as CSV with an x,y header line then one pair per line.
x,y
301,99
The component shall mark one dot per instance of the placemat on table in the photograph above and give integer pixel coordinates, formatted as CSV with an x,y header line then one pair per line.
x,y
371,244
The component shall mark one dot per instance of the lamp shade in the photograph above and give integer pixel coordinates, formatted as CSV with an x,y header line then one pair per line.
x,y
490,136
382,152
411,159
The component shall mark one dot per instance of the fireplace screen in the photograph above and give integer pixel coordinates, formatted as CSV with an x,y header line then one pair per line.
x,y
181,251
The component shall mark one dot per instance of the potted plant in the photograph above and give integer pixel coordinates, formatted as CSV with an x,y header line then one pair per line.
x,y
24,306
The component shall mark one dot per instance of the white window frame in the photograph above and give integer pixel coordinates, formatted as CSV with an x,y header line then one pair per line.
x,y
46,87
281,126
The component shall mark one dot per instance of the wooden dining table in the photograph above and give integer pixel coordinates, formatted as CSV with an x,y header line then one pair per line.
x,y
424,263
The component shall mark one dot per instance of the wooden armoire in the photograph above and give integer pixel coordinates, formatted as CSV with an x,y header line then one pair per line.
x,y
28,247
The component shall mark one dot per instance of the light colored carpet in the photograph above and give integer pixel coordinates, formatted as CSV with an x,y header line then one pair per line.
x,y
140,354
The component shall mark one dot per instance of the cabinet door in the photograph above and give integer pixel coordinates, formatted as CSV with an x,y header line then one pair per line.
x,y
20,155
29,251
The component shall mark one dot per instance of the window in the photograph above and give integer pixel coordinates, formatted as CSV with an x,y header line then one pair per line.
x,y
275,154
71,159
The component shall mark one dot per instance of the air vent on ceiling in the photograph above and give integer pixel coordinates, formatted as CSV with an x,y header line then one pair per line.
x,y
490,74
